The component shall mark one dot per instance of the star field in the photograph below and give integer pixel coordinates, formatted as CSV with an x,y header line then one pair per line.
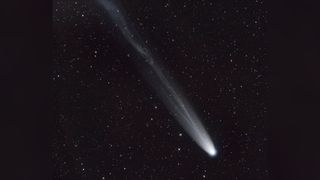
x,y
111,125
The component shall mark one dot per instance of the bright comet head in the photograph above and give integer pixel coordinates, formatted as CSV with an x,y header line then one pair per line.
x,y
212,151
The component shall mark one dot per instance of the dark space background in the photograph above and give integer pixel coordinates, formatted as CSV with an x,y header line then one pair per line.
x,y
109,124
75,107
294,113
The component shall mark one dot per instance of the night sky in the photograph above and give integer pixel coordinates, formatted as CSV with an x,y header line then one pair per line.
x,y
110,124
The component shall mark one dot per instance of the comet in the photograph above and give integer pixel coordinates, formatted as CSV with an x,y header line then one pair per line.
x,y
160,81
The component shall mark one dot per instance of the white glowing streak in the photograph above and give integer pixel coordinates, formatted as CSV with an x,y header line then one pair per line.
x,y
174,101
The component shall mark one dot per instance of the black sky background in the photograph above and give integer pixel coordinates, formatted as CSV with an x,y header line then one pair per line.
x,y
112,125
58,122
